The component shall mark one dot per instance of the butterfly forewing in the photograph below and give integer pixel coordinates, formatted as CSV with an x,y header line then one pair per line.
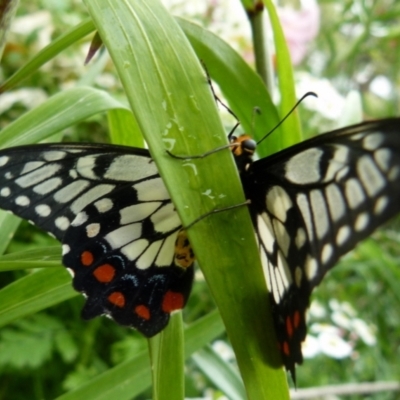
x,y
320,198
120,233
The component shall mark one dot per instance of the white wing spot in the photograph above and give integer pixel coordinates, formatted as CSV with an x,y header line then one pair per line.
x,y
394,173
43,210
166,254
104,205
382,158
48,186
65,249
278,202
361,222
381,204
372,179
69,192
133,250
124,235
311,268
147,259
303,205
354,193
4,160
342,173
337,162
300,238
8,175
80,219
5,192
92,230
342,235
284,270
282,236
373,141
327,253
62,223
129,167
30,166
54,155
22,201
151,190
165,219
265,266
335,201
264,227
38,175
138,212
304,167
320,213
90,196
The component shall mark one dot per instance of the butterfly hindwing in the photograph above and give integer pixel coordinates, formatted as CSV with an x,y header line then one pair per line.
x,y
122,238
320,198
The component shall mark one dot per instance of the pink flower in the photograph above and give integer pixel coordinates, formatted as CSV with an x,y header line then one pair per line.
x,y
300,27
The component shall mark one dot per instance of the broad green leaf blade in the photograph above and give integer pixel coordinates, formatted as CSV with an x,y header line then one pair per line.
x,y
174,108
124,129
132,377
33,293
48,53
166,348
57,113
220,373
291,128
241,86
9,223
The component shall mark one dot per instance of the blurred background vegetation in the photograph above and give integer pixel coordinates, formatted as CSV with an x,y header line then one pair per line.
x,y
347,52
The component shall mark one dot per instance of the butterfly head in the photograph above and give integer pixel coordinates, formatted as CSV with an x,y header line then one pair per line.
x,y
243,148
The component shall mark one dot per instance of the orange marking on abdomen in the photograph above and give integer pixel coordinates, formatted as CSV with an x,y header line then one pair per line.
x,y
143,312
117,298
289,326
87,258
105,273
172,301
184,256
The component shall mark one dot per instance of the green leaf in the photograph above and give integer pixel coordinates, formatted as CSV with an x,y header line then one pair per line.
x,y
58,112
33,293
48,53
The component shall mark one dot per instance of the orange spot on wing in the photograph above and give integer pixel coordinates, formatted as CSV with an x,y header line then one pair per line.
x,y
105,273
289,326
87,258
117,298
296,319
143,312
285,348
172,301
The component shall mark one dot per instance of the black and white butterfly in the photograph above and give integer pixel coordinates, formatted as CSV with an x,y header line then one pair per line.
x,y
129,255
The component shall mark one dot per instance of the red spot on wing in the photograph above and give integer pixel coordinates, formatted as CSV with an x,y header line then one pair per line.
x,y
117,298
143,311
289,326
285,348
87,258
172,301
296,319
104,273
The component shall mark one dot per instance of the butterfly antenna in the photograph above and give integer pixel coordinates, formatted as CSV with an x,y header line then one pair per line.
x,y
216,98
287,115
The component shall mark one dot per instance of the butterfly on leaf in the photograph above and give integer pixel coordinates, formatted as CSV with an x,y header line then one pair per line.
x,y
124,244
